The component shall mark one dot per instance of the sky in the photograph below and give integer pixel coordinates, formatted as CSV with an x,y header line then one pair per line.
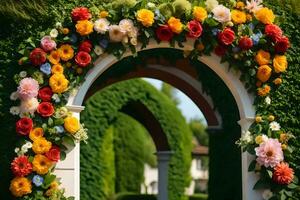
x,y
186,105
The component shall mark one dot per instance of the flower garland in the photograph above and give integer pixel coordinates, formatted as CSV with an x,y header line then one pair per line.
x,y
242,33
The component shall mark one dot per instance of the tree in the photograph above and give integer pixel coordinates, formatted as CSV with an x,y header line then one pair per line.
x,y
170,92
198,128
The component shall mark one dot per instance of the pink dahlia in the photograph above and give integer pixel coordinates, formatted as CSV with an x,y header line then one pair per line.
x,y
21,166
28,88
269,153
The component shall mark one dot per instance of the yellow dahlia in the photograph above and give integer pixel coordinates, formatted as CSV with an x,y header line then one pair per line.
x,y
20,186
84,27
238,17
57,69
264,72
58,83
41,145
66,52
262,57
265,16
41,164
36,133
54,57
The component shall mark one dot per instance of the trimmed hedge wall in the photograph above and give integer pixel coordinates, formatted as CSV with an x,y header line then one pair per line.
x,y
109,101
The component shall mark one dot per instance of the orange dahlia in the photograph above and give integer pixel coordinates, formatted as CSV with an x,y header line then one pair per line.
x,y
283,174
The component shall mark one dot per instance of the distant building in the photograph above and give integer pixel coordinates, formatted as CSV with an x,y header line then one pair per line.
x,y
198,173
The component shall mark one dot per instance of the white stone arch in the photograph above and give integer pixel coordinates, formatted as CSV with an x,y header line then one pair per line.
x,y
69,169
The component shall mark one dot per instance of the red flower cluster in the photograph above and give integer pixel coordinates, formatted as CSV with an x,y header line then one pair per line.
x,y
282,45
45,94
83,59
220,50
53,154
80,13
275,33
164,33
283,174
45,109
24,126
195,29
21,166
37,56
245,43
86,46
226,37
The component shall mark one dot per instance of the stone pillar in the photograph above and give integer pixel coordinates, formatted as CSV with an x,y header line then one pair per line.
x,y
163,158
248,178
69,169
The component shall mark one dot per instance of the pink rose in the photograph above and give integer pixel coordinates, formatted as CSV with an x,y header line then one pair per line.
x,y
48,44
195,29
28,88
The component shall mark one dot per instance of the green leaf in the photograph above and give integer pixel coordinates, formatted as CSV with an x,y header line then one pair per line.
x,y
261,184
270,173
48,179
252,166
50,122
62,155
68,140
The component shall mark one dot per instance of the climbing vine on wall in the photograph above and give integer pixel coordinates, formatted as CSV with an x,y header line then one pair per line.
x,y
244,34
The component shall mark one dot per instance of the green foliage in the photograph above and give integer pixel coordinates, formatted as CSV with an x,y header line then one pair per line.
x,y
199,131
198,197
169,90
135,197
109,101
133,148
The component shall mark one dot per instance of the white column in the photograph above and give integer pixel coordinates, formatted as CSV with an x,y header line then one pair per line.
x,y
69,169
163,158
248,178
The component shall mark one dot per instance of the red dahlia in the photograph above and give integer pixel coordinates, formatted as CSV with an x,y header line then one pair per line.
x,y
195,29
164,33
282,45
273,31
45,109
83,59
53,154
245,43
80,13
86,46
21,166
24,126
226,37
37,56
45,94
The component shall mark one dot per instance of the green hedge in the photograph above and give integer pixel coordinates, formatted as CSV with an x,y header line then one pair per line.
x,y
109,101
128,196
198,197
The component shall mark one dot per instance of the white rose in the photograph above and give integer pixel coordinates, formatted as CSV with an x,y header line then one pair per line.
x,y
222,14
101,25
54,33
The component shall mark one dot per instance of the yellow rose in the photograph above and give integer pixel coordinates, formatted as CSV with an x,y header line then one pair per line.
x,y
146,17
238,17
41,164
54,57
103,14
36,133
175,25
58,83
240,5
280,63
57,69
66,52
20,186
277,81
264,72
71,124
262,57
200,14
265,16
41,145
264,91
84,27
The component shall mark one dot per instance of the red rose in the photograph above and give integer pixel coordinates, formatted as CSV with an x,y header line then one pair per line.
x,y
273,31
245,43
37,56
86,46
226,37
195,29
282,45
53,154
45,94
164,33
83,59
80,13
220,50
21,166
45,109
24,126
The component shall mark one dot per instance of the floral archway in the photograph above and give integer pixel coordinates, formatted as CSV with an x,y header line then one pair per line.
x,y
243,34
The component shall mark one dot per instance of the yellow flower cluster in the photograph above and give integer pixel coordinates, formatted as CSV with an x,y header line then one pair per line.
x,y
54,57
84,27
199,13
71,124
57,69
263,57
175,25
146,17
53,187
264,91
41,145
238,17
103,14
264,72
58,83
36,133
265,16
41,164
20,186
280,63
66,52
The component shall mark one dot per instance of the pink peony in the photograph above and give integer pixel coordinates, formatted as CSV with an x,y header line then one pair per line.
x,y
269,153
48,44
28,88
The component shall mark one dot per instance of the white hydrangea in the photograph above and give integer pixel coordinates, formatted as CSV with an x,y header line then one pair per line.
x,y
101,25
98,50
247,137
268,100
81,134
15,110
54,33
126,26
23,74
